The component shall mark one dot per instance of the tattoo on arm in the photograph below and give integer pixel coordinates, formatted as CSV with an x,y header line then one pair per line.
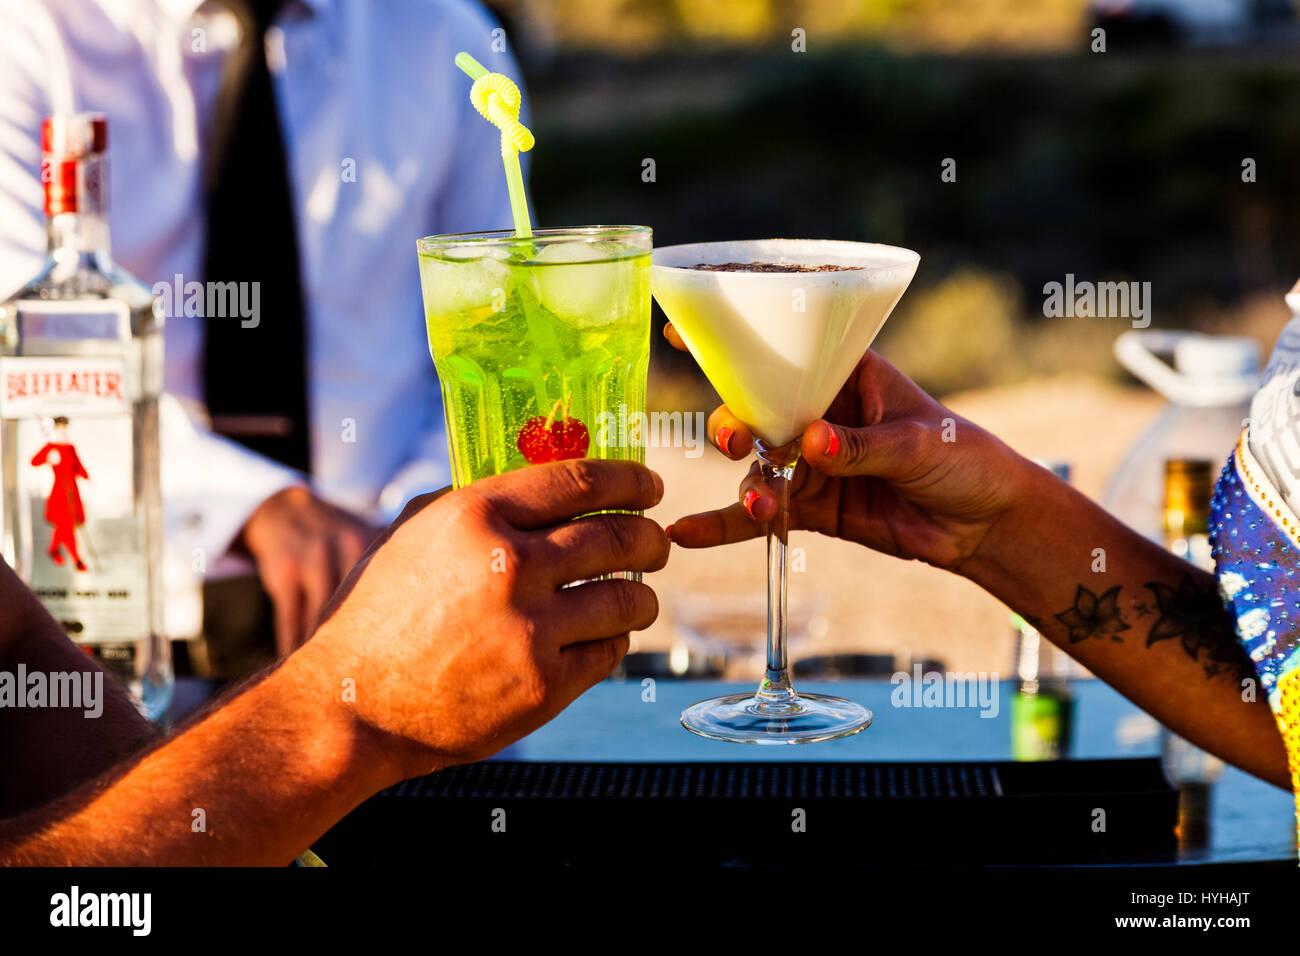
x,y
1192,613
1197,618
1093,616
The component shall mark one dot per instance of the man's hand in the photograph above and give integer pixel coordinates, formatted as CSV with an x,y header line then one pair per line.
x,y
303,548
454,636
457,632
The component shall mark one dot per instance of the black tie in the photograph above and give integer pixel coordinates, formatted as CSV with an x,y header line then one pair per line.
x,y
255,374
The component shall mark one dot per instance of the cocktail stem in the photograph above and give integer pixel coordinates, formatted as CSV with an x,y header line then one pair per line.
x,y
778,470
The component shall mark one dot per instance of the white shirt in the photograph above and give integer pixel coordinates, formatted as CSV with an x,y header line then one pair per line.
x,y
384,147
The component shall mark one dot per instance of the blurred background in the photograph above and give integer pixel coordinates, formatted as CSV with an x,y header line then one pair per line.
x,y
1122,165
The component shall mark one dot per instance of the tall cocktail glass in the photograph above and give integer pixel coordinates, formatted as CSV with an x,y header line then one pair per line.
x,y
778,345
542,344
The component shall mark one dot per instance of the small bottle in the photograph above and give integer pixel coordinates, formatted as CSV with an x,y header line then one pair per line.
x,y
1189,485
81,351
1042,708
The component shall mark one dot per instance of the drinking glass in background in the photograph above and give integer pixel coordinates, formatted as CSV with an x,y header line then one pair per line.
x,y
726,623
542,344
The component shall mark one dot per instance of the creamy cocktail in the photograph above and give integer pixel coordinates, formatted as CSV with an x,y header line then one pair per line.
x,y
778,326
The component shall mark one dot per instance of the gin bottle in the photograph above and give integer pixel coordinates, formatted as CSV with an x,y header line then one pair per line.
x,y
81,351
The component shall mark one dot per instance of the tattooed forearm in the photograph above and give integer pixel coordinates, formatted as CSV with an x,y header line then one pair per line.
x,y
1092,616
1197,618
1191,613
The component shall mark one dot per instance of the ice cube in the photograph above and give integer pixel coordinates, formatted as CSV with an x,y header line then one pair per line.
x,y
470,250
579,283
465,279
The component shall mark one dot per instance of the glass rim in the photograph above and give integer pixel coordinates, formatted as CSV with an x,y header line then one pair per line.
x,y
904,257
507,237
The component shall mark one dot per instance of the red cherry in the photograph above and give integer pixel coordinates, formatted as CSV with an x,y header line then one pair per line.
x,y
548,438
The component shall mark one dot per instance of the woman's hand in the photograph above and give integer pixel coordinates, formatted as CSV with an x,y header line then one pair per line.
x,y
889,467
893,469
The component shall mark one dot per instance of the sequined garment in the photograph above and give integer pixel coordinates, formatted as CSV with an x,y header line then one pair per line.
x,y
1256,540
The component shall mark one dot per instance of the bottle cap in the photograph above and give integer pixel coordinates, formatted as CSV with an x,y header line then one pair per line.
x,y
67,138
73,135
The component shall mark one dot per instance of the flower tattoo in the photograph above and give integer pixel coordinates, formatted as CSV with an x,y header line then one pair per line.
x,y
1093,616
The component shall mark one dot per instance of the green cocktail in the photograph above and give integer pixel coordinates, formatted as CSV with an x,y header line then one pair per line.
x,y
541,344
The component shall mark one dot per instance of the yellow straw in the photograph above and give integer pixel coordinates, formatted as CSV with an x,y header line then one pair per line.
x,y
497,98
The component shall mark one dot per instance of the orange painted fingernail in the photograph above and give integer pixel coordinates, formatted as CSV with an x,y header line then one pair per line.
x,y
833,445
724,438
748,501
669,531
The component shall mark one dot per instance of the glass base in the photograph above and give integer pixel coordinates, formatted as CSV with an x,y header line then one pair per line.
x,y
800,719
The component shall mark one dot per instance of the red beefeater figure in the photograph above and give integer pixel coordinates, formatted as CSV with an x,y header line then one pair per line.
x,y
63,508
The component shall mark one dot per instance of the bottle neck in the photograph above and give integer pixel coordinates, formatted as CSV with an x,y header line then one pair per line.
x,y
76,207
1180,522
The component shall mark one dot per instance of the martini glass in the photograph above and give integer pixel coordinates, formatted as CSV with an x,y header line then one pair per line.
x,y
778,346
